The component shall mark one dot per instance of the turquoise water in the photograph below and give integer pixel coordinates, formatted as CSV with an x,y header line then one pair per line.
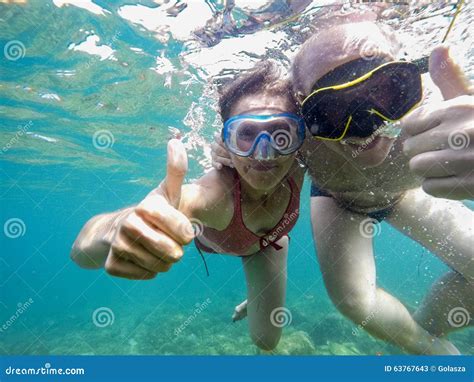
x,y
84,131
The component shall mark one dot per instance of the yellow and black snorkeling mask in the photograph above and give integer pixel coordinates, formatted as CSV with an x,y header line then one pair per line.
x,y
357,108
357,98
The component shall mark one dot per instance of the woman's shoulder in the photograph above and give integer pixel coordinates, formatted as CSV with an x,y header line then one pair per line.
x,y
219,189
219,180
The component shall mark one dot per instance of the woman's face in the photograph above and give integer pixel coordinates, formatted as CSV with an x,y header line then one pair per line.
x,y
261,174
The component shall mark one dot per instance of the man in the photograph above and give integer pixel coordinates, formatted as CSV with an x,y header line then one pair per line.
x,y
361,176
358,179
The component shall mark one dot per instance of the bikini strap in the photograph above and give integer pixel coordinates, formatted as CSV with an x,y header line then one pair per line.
x,y
238,217
202,257
294,187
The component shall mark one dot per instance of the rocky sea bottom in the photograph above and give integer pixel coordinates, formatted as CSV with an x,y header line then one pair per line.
x,y
210,331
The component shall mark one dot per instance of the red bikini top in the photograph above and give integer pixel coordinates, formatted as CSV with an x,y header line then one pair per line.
x,y
237,238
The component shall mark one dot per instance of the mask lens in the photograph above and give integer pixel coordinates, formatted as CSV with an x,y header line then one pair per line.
x,y
390,92
284,132
326,115
245,134
393,90
407,91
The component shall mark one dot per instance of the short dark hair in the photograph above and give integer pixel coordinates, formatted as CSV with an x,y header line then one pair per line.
x,y
264,78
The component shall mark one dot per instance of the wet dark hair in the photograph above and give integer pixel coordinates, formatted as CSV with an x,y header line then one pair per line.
x,y
264,78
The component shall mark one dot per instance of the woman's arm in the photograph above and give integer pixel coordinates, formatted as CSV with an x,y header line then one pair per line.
x,y
141,241
92,245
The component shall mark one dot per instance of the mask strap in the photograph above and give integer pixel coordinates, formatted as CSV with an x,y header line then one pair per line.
x,y
423,62
458,9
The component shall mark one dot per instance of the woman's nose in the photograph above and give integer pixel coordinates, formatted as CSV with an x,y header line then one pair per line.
x,y
264,149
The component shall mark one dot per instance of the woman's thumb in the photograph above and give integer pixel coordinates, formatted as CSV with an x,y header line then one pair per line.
x,y
176,168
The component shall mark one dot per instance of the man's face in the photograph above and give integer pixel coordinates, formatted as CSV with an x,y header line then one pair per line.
x,y
327,53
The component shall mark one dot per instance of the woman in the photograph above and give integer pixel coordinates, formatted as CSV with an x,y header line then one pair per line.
x,y
246,211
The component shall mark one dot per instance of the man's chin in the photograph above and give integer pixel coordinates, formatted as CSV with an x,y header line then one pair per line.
x,y
370,162
373,154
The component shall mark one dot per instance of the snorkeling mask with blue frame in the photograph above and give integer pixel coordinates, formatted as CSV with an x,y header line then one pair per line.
x,y
263,136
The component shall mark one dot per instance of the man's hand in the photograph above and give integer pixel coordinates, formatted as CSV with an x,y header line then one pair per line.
x,y
220,155
149,238
441,136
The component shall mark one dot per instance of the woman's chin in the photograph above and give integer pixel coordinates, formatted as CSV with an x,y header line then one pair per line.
x,y
262,181
264,174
